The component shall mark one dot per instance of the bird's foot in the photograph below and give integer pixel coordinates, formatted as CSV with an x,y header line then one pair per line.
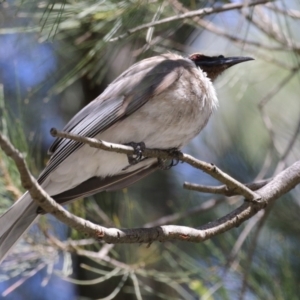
x,y
166,164
138,152
40,211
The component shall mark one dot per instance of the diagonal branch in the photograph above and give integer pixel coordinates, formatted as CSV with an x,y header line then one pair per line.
x,y
223,189
208,25
190,14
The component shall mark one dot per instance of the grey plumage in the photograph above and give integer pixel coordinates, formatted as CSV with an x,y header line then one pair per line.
x,y
163,101
15,221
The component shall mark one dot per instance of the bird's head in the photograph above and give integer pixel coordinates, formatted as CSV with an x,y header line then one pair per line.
x,y
213,66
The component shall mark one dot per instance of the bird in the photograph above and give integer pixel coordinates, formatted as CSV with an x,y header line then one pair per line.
x,y
163,102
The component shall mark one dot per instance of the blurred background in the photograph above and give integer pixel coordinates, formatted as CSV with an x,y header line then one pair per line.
x,y
57,56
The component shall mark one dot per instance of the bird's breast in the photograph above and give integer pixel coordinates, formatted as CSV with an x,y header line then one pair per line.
x,y
172,118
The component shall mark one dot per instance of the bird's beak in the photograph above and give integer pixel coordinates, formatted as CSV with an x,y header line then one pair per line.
x,y
224,61
230,61
213,66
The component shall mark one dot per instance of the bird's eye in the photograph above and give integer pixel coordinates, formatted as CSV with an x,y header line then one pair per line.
x,y
221,56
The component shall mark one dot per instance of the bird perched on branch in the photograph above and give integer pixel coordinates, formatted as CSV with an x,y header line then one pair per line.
x,y
163,101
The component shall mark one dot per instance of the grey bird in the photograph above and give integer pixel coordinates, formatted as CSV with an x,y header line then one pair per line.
x,y
163,101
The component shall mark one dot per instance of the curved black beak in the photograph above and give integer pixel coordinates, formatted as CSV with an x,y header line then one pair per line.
x,y
213,66
223,61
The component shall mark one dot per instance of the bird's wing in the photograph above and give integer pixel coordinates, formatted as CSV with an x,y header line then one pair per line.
x,y
111,183
122,97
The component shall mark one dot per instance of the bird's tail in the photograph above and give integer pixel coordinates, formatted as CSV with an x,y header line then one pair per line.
x,y
15,222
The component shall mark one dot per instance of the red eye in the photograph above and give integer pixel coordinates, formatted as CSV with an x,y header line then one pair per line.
x,y
197,57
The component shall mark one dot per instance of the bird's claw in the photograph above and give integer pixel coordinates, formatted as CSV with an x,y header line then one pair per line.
x,y
40,211
166,164
138,152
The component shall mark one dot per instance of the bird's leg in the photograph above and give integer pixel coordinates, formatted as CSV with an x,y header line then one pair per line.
x,y
138,152
165,164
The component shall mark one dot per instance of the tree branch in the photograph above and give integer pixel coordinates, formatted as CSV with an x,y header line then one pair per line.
x,y
190,14
223,189
279,185
208,25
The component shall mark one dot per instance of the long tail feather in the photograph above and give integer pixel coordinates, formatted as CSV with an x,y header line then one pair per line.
x,y
15,222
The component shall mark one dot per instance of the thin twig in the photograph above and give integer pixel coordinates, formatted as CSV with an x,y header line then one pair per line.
x,y
277,88
223,189
232,259
293,13
262,103
96,209
251,251
281,164
265,166
207,25
207,205
270,29
9,185
190,14
30,274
